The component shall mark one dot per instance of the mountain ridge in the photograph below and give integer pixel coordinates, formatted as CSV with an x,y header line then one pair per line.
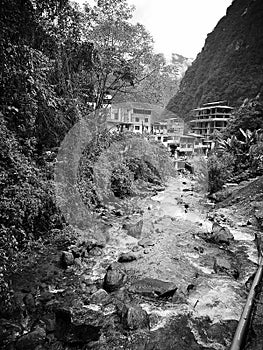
x,y
230,65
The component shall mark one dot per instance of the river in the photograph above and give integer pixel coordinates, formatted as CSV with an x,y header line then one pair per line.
x,y
207,304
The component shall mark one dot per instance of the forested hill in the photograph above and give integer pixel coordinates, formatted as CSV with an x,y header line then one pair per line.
x,y
230,65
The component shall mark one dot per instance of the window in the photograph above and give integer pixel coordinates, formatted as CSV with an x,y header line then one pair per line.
x,y
146,120
159,138
116,116
137,127
137,119
142,111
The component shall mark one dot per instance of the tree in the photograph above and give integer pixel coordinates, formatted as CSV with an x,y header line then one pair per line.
x,y
248,117
122,49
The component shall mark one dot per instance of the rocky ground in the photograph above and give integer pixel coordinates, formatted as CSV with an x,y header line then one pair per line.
x,y
164,272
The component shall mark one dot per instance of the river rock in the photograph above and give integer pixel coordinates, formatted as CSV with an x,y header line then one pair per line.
x,y
153,287
136,248
67,259
77,332
134,230
114,278
127,257
222,265
99,297
221,234
134,317
31,340
145,242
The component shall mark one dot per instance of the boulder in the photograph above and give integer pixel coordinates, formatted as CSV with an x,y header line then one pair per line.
x,y
136,248
145,242
134,229
153,288
99,297
96,251
221,234
67,259
134,317
127,257
31,340
78,332
114,278
221,265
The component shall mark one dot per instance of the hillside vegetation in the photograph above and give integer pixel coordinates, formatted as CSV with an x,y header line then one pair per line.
x,y
229,67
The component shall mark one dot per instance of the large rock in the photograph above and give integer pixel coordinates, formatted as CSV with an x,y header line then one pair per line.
x,y
146,242
31,340
99,297
127,257
74,333
222,265
134,317
67,259
114,278
134,230
153,288
221,234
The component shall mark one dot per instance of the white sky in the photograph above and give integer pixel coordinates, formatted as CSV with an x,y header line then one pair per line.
x,y
179,26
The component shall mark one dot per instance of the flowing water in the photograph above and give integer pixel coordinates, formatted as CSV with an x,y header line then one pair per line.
x,y
173,220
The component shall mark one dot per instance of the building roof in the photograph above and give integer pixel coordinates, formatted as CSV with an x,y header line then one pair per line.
x,y
212,106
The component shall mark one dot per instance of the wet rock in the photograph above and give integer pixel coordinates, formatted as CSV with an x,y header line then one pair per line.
x,y
76,333
221,234
134,230
96,251
67,259
146,242
127,257
222,265
136,248
99,297
31,340
179,298
190,287
134,317
152,287
121,295
114,278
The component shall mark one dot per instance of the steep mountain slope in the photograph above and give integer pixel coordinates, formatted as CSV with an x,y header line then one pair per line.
x,y
181,63
230,65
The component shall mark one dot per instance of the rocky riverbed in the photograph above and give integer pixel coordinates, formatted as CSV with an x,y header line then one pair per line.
x,y
173,273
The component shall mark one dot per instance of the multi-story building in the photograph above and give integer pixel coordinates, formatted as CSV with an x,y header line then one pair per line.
x,y
130,117
208,119
170,125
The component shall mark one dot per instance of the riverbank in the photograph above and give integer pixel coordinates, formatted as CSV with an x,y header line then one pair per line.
x,y
180,281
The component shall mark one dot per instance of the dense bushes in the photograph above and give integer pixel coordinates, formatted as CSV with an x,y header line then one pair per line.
x,y
27,206
113,165
220,168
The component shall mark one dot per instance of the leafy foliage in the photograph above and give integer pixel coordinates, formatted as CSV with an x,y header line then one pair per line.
x,y
230,63
114,164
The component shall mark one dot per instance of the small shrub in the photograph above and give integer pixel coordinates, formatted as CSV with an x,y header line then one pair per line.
x,y
220,168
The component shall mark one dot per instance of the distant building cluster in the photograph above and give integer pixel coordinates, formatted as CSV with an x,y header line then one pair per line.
x,y
207,121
